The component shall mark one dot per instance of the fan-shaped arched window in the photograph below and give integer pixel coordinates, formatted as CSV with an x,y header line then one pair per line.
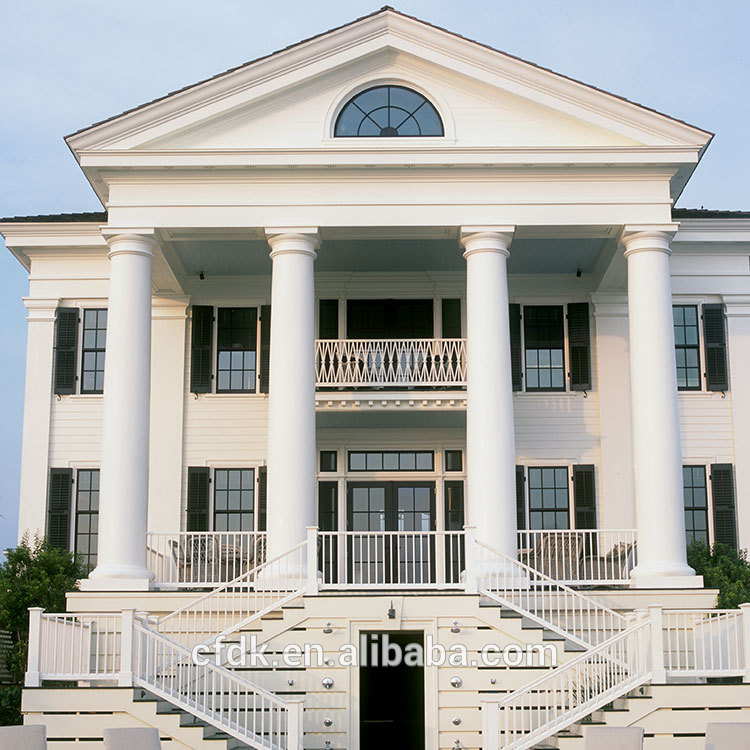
x,y
389,111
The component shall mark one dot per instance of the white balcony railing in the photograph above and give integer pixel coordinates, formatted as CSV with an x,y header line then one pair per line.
x,y
584,557
386,559
203,559
390,363
391,559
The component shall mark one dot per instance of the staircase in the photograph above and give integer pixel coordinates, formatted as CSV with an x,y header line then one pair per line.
x,y
613,656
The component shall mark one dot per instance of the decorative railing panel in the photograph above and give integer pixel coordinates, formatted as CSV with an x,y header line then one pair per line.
x,y
391,559
203,559
580,557
390,363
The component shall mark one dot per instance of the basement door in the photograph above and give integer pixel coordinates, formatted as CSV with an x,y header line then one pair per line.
x,y
391,709
393,547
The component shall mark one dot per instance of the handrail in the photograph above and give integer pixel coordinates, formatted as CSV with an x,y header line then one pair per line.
x,y
540,598
385,362
239,602
572,691
215,694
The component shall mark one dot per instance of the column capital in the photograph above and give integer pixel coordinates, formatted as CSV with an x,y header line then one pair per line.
x,y
130,241
300,240
648,237
486,239
43,310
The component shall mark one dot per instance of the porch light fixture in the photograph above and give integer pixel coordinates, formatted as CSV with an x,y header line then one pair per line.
x,y
456,720
456,682
328,629
290,683
457,746
327,683
327,721
455,628
391,612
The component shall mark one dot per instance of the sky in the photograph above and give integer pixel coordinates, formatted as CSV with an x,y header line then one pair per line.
x,y
65,65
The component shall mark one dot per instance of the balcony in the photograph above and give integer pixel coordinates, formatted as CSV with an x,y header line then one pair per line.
x,y
352,364
391,559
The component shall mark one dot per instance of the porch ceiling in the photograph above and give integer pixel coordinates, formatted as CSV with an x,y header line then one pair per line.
x,y
227,256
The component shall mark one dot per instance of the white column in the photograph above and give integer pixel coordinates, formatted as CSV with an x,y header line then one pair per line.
x,y
36,416
490,439
291,398
123,504
657,460
738,346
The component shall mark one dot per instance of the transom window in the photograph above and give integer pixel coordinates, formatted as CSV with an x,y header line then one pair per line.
x,y
696,503
549,498
391,461
686,341
94,344
388,111
234,500
236,349
544,342
87,516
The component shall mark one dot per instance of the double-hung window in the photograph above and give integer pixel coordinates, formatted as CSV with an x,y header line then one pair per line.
x,y
234,499
89,326
544,344
94,343
236,349
549,497
687,347
87,516
696,503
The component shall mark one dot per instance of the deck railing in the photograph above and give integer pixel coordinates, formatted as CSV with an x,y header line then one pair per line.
x,y
391,559
390,363
203,559
386,559
580,557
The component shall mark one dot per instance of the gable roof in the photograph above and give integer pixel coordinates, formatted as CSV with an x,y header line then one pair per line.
x,y
78,139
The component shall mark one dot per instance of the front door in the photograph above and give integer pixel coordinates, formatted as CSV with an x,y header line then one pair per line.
x,y
391,697
394,546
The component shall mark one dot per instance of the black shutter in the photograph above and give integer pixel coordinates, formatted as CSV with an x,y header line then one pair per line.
x,y
66,345
579,342
515,345
197,498
265,347
584,496
328,319
715,342
725,514
201,346
58,507
451,316
520,498
262,489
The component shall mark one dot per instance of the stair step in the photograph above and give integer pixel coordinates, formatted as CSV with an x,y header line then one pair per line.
x,y
274,615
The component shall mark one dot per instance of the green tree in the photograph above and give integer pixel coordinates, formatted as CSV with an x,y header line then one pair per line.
x,y
33,575
722,568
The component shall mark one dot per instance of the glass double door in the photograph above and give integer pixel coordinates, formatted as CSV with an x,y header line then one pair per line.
x,y
390,539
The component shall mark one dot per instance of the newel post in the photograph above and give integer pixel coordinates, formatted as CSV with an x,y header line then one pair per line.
x,y
312,561
658,673
33,661
745,609
125,678
470,559
295,723
490,724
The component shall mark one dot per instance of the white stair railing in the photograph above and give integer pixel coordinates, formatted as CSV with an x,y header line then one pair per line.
x,y
543,599
353,363
568,693
214,694
240,602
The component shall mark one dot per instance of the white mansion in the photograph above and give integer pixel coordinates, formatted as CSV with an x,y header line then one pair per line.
x,y
387,334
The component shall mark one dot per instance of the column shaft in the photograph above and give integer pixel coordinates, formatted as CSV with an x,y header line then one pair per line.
x,y
656,426
490,440
123,508
291,405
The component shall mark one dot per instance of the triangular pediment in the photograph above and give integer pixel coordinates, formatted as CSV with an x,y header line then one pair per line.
x,y
488,99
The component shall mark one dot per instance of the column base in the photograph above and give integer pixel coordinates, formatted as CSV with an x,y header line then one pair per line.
x,y
118,578
665,577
